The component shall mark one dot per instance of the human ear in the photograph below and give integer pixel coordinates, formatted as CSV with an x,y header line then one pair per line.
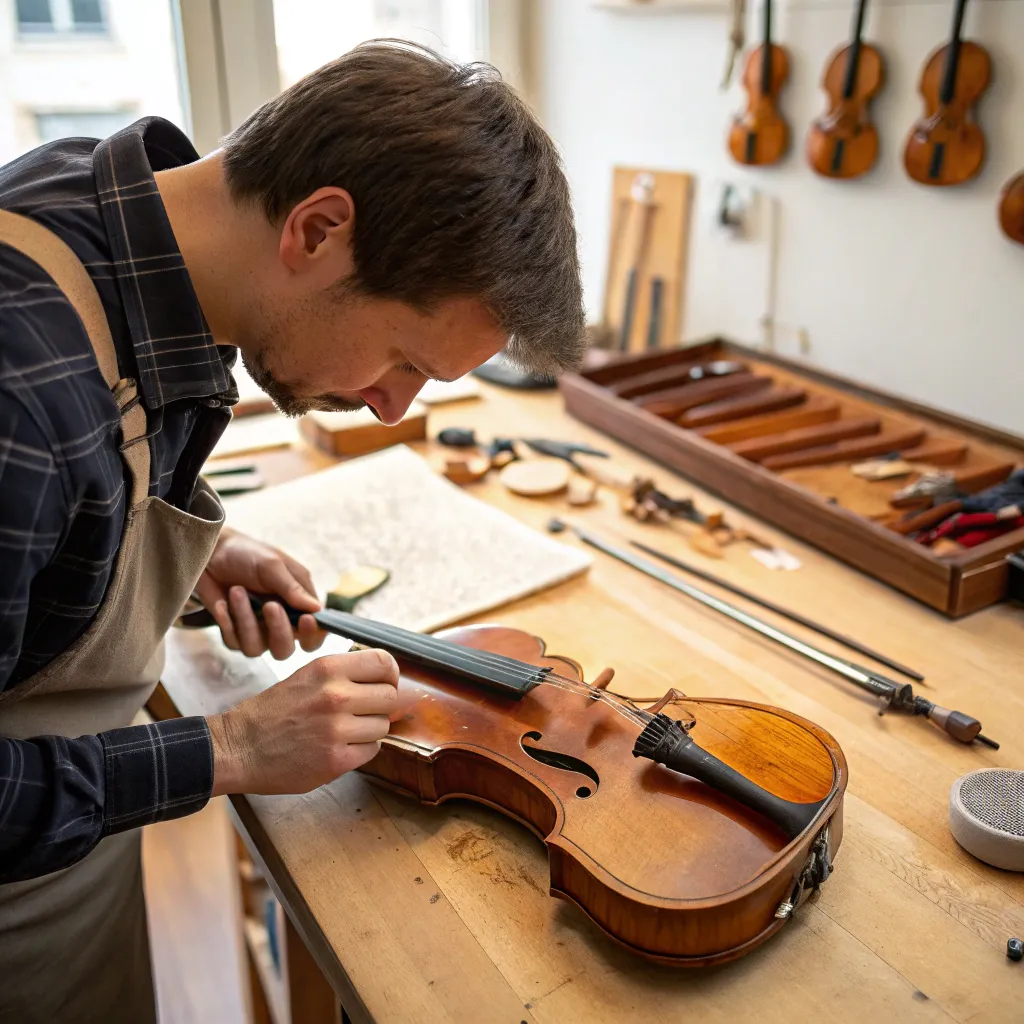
x,y
317,235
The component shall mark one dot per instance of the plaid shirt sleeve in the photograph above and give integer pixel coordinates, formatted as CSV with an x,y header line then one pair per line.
x,y
60,796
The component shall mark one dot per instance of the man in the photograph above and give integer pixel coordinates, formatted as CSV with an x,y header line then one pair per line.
x,y
391,218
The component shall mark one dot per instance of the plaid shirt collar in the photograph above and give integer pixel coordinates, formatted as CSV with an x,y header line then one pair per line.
x,y
174,350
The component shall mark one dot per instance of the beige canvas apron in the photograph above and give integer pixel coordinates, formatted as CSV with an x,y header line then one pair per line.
x,y
73,944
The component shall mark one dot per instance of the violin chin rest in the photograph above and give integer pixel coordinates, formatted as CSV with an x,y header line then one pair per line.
x,y
665,741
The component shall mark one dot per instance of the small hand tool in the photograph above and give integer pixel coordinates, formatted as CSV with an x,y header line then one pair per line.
x,y
563,450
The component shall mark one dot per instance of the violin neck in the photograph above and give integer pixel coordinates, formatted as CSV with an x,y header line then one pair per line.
x,y
953,54
766,53
496,672
853,60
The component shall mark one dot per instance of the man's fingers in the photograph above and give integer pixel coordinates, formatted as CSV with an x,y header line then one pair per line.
x,y
311,637
277,579
367,729
222,615
369,666
305,579
360,753
363,698
250,638
209,592
280,638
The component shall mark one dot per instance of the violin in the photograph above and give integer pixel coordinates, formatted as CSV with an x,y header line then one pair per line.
x,y
689,837
1011,209
946,146
761,136
844,142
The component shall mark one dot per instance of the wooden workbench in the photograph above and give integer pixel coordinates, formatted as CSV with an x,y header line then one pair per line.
x,y
443,914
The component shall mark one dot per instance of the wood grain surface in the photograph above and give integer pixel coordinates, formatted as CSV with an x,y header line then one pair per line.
x,y
421,914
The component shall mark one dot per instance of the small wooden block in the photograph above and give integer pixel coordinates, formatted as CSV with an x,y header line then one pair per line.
x,y
675,401
761,448
970,481
937,451
817,409
356,583
605,471
467,470
654,380
845,451
536,477
770,400
360,432
582,491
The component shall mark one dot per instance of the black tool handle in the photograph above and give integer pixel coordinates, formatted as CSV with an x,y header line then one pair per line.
x,y
665,742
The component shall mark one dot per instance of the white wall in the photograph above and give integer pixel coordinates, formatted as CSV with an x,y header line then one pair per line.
x,y
910,288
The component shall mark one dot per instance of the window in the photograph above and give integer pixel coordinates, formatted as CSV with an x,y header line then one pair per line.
x,y
90,124
456,28
60,75
86,16
34,16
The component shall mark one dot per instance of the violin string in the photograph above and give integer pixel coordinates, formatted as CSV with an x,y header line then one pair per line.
x,y
469,658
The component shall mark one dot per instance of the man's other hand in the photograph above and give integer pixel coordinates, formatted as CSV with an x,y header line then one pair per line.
x,y
322,721
239,564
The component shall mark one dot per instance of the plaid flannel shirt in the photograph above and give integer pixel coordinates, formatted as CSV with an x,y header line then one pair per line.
x,y
63,496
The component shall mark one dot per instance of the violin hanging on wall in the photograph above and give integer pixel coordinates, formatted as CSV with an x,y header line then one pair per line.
x,y
844,142
760,136
946,146
1011,209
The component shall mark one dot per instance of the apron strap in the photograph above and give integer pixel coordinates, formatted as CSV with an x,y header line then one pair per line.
x,y
57,258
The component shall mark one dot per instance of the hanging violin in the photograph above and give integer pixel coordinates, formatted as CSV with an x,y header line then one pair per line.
x,y
844,142
946,146
760,135
688,854
1011,209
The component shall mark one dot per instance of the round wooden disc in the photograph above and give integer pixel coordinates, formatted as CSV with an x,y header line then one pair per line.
x,y
535,477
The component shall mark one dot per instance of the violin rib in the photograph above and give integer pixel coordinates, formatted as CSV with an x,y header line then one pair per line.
x,y
669,866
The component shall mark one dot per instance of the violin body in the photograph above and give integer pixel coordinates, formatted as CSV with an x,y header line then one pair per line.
x,y
760,135
666,865
1011,209
844,142
947,146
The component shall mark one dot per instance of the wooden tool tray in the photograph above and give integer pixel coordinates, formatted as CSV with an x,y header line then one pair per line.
x,y
762,462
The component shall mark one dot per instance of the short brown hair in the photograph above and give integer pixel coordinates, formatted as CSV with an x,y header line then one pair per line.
x,y
458,190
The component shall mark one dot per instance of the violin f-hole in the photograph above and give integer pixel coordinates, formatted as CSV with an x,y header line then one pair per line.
x,y
564,762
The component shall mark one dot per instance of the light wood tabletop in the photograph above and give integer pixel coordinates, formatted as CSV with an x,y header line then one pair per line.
x,y
430,915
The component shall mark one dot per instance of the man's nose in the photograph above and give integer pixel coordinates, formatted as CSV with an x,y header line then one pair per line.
x,y
391,399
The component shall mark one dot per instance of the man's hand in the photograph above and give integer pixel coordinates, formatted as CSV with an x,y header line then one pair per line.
x,y
326,719
240,563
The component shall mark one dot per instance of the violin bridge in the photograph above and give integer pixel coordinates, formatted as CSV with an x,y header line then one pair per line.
x,y
670,698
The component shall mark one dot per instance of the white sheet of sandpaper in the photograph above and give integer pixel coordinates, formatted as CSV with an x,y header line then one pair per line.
x,y
450,555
